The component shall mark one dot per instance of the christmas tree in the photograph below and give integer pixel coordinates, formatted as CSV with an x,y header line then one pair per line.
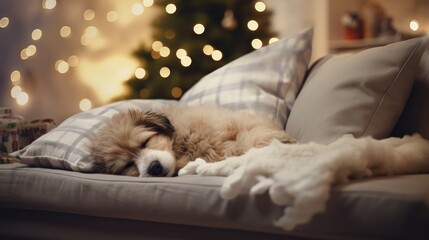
x,y
193,38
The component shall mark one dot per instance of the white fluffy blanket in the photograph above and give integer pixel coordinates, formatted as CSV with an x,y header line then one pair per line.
x,y
300,176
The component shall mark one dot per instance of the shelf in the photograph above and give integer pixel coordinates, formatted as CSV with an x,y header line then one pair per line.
x,y
360,44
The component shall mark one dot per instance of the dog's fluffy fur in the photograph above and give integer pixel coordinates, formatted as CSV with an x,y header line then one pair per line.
x,y
136,143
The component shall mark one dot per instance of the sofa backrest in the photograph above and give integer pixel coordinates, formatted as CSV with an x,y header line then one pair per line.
x,y
415,117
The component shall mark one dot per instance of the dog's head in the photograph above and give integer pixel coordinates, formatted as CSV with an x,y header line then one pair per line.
x,y
135,143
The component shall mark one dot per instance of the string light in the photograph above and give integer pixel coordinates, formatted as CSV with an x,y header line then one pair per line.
x,y
199,28
36,34
30,50
22,98
157,45
65,32
181,53
186,61
112,16
15,91
89,14
414,25
49,4
260,6
256,43
15,77
176,92
217,55
24,55
164,72
91,32
62,66
170,8
73,61
148,3
140,73
252,25
164,51
208,50
4,21
273,40
85,104
137,9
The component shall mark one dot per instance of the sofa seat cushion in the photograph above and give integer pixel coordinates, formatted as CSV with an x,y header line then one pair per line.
x,y
377,208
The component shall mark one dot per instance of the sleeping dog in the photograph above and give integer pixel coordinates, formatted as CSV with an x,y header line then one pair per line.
x,y
152,144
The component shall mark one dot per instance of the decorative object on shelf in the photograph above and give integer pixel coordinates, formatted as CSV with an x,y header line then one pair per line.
x,y
353,26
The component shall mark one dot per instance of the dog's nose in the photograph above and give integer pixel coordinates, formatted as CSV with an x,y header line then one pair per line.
x,y
155,169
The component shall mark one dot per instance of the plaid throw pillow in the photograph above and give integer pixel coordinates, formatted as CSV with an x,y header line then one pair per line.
x,y
66,146
265,81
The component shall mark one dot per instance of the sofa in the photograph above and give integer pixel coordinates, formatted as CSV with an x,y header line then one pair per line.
x,y
53,193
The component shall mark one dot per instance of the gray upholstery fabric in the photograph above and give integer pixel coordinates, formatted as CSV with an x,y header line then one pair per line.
x,y
373,209
361,94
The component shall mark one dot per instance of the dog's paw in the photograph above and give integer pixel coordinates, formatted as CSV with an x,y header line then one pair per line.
x,y
191,167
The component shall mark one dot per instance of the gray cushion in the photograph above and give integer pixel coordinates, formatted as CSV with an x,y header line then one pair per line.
x,y
360,94
376,209
265,81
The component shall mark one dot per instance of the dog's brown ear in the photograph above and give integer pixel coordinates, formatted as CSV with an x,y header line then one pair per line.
x,y
155,121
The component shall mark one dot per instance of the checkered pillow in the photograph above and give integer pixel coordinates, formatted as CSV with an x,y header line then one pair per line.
x,y
265,81
66,147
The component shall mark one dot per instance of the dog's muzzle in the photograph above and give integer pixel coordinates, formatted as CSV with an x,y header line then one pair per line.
x,y
156,169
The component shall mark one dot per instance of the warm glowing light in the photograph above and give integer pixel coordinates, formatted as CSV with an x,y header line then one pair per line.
x,y
256,43
199,28
4,21
217,55
170,34
91,32
73,61
273,40
106,76
164,72
181,53
155,55
148,3
88,15
85,104
260,6
186,61
176,92
65,32
62,66
170,8
22,98
137,9
112,16
24,54
15,91
84,40
164,51
49,4
30,50
252,25
15,77
157,45
36,34
208,50
414,25
140,73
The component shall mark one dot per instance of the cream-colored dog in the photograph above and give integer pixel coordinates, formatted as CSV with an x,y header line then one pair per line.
x,y
144,144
